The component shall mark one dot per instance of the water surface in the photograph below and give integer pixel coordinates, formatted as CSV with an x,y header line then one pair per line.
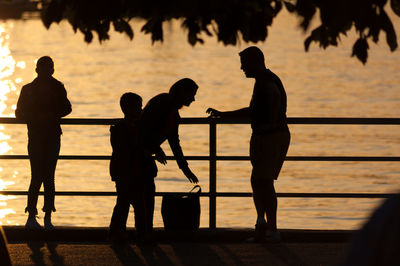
x,y
320,83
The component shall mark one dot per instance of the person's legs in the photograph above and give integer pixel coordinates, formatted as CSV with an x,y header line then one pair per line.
x,y
139,205
121,210
279,145
150,190
259,198
258,174
267,154
260,203
35,159
271,204
52,150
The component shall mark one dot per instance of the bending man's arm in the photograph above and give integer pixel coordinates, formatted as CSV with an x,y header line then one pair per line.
x,y
176,148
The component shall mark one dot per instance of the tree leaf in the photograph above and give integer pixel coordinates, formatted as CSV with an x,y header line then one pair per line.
x,y
278,6
121,25
360,50
307,43
316,35
387,26
53,12
306,9
395,4
88,36
289,6
154,26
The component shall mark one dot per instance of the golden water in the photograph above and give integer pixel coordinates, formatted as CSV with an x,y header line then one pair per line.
x,y
319,83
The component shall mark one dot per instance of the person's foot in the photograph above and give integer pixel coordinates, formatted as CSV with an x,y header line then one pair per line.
x,y
47,224
259,234
31,223
118,238
272,236
145,240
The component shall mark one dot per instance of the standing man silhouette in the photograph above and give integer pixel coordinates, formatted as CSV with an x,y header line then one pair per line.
x,y
269,141
160,122
41,105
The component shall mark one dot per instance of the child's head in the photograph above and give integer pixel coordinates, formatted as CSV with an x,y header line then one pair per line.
x,y
131,104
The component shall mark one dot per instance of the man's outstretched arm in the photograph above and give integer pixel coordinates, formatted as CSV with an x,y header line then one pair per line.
x,y
240,113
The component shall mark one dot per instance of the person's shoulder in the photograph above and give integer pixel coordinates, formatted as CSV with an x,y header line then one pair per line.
x,y
56,82
30,84
119,125
158,100
162,97
28,88
266,83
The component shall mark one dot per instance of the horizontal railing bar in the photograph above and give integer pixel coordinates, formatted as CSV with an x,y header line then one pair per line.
x,y
311,195
206,120
68,121
310,121
232,158
218,194
322,158
344,121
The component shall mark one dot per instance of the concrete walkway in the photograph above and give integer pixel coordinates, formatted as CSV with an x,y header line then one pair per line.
x,y
177,253
88,246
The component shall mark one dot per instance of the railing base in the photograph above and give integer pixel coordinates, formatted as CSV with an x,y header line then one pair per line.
x,y
18,234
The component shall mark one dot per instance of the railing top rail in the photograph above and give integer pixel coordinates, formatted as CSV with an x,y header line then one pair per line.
x,y
218,194
228,158
207,120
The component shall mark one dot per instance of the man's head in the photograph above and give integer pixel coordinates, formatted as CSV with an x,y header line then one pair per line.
x,y
183,91
131,104
45,66
252,61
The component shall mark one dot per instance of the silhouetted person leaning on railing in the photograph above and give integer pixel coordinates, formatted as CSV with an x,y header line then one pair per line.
x,y
269,141
127,169
160,122
41,105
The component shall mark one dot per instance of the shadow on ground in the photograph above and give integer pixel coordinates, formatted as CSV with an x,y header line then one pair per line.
x,y
176,253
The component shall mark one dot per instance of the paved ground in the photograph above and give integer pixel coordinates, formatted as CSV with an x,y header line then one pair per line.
x,y
223,246
177,253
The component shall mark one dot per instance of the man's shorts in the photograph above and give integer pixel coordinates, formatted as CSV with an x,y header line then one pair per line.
x,y
267,154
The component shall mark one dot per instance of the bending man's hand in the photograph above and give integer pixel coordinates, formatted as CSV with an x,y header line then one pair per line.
x,y
213,112
189,174
161,157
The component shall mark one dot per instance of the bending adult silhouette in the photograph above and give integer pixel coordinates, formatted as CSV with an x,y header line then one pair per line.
x,y
41,105
269,141
160,122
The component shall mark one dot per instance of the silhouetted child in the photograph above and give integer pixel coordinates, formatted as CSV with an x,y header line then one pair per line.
x,y
126,169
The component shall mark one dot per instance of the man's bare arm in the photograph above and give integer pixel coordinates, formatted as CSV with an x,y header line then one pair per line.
x,y
240,113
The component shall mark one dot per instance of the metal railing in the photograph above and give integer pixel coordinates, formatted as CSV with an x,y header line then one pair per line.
x,y
213,158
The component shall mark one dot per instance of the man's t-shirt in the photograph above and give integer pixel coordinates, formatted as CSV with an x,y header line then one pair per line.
x,y
268,105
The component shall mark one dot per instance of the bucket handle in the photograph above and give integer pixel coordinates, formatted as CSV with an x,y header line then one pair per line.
x,y
196,186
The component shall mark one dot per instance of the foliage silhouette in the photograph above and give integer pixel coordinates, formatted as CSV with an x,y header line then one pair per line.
x,y
230,20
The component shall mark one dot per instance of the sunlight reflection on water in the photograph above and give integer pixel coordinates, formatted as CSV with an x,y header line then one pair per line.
x,y
7,65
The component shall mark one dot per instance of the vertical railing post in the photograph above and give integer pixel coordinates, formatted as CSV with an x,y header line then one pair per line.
x,y
213,174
